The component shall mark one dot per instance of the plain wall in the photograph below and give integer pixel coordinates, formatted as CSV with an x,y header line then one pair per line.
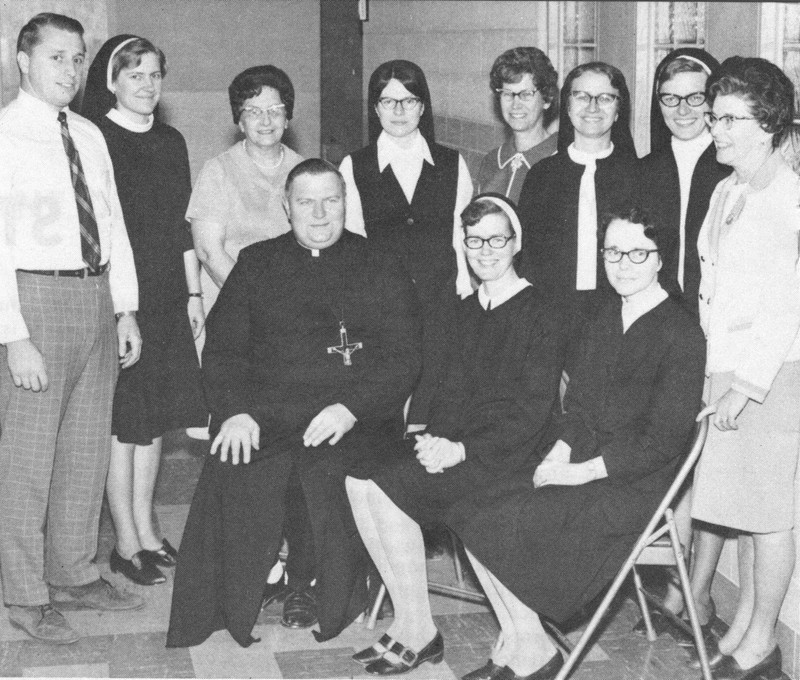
x,y
207,43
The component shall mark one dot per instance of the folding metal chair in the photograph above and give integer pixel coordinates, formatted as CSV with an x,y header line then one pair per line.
x,y
657,544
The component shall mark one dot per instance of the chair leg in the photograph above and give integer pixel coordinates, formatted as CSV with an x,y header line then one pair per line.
x,y
376,608
456,559
688,598
648,622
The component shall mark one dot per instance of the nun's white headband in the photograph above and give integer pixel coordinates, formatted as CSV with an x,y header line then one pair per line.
x,y
110,67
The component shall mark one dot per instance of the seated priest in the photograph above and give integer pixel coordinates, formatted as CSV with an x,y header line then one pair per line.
x,y
312,349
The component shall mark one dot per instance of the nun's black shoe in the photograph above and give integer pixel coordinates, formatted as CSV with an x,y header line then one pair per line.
x,y
490,671
409,660
374,652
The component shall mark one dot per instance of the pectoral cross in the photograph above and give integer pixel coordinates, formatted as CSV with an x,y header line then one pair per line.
x,y
345,348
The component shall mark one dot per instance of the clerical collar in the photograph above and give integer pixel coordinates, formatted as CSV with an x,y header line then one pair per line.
x,y
640,303
506,293
390,152
123,121
587,157
692,148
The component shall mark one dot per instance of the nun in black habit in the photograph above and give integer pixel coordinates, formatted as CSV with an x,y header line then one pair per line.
x,y
678,176
547,545
312,348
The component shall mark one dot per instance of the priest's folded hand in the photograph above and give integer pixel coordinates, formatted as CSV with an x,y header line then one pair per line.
x,y
238,433
331,423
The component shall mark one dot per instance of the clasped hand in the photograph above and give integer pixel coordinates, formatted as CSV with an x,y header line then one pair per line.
x,y
437,453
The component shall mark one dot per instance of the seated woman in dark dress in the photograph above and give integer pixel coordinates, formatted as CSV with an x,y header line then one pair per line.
x,y
547,546
487,406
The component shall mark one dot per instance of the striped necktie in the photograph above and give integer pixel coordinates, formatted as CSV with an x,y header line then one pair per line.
x,y
90,239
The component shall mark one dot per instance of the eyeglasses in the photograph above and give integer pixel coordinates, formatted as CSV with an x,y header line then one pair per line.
x,y
727,120
407,104
276,111
673,100
636,256
508,96
604,99
495,242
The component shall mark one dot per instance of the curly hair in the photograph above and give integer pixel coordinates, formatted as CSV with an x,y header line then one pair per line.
x,y
251,81
512,65
765,87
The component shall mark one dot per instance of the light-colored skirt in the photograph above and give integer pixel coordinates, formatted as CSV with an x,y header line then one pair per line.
x,y
745,479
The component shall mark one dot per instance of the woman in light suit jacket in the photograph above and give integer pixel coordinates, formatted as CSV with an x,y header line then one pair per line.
x,y
750,312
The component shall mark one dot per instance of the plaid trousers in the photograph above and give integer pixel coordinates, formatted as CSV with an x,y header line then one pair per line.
x,y
55,445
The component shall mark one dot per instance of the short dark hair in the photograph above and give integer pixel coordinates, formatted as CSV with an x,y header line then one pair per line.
x,y
312,166
621,129
635,215
766,88
477,210
31,33
512,65
251,81
680,65
413,79
130,56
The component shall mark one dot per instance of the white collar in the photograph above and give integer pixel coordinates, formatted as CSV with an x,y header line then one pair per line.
x,y
123,121
692,148
640,303
39,107
508,291
390,151
588,157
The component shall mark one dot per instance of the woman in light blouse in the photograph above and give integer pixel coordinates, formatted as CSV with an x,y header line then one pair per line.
x,y
750,312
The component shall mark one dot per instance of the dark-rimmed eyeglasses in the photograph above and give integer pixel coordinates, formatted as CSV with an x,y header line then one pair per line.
x,y
604,99
727,120
636,256
407,104
672,101
508,96
495,242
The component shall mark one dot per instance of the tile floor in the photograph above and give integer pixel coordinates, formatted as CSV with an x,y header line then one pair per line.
x,y
132,644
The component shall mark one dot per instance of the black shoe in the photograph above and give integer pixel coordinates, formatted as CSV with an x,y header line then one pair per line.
x,y
769,668
547,672
409,660
165,556
491,671
375,652
299,609
138,569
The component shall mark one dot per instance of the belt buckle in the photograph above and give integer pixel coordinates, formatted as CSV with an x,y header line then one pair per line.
x,y
84,273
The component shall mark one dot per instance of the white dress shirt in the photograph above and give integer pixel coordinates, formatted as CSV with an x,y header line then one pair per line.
x,y
687,153
39,226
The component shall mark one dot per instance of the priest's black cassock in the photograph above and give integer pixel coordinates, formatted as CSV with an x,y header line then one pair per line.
x,y
269,353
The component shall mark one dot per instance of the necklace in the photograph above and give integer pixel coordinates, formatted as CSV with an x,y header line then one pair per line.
x,y
262,165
